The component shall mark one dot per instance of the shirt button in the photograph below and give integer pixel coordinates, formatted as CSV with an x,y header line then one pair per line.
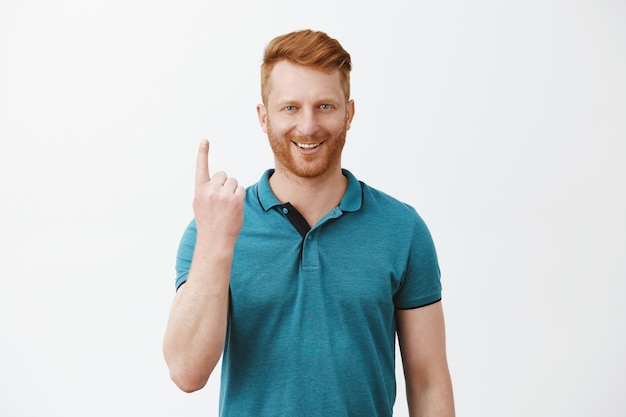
x,y
285,210
309,237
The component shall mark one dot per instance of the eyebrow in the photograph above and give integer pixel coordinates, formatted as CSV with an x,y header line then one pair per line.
x,y
330,100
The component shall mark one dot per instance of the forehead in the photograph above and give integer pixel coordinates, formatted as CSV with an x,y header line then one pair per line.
x,y
289,81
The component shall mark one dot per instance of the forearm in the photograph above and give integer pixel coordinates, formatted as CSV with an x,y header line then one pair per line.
x,y
196,330
421,334
431,401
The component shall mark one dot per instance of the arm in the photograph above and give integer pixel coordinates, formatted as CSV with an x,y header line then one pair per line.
x,y
421,336
196,329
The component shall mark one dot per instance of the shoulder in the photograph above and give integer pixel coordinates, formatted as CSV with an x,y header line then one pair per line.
x,y
364,198
388,206
391,213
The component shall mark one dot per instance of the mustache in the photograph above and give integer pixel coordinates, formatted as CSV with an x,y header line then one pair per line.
x,y
308,139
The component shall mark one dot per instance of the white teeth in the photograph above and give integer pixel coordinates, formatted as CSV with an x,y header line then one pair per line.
x,y
308,145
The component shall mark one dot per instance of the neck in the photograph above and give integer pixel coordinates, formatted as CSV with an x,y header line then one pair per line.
x,y
312,197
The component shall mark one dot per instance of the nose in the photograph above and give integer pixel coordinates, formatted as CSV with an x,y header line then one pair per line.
x,y
308,124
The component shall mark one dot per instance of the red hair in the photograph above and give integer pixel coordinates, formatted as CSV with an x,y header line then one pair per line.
x,y
310,49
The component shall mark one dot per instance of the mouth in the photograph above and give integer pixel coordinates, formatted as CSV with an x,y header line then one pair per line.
x,y
307,146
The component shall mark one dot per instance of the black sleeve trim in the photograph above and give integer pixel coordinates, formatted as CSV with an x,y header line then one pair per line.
x,y
424,305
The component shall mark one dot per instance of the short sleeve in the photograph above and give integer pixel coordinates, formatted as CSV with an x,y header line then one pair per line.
x,y
185,253
421,284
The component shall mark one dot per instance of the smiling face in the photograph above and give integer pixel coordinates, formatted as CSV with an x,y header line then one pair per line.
x,y
306,116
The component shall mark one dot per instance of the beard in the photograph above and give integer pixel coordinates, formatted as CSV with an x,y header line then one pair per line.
x,y
307,166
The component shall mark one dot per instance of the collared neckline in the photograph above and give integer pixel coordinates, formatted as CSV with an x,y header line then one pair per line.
x,y
351,200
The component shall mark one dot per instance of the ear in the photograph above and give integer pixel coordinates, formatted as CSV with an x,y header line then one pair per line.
x,y
349,113
261,112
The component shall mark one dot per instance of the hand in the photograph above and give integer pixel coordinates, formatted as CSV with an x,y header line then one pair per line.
x,y
218,201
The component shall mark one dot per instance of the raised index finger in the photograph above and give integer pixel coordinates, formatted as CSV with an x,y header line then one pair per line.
x,y
202,163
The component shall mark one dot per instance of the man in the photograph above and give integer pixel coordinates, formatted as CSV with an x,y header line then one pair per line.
x,y
302,280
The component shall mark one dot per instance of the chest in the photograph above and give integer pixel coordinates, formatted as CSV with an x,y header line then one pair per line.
x,y
336,268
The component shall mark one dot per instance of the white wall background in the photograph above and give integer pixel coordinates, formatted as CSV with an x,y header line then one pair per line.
x,y
503,123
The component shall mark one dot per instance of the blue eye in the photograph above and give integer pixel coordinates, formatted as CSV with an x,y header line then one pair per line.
x,y
290,108
325,106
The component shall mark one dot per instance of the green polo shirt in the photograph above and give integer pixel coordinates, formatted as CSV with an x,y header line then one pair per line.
x,y
312,326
